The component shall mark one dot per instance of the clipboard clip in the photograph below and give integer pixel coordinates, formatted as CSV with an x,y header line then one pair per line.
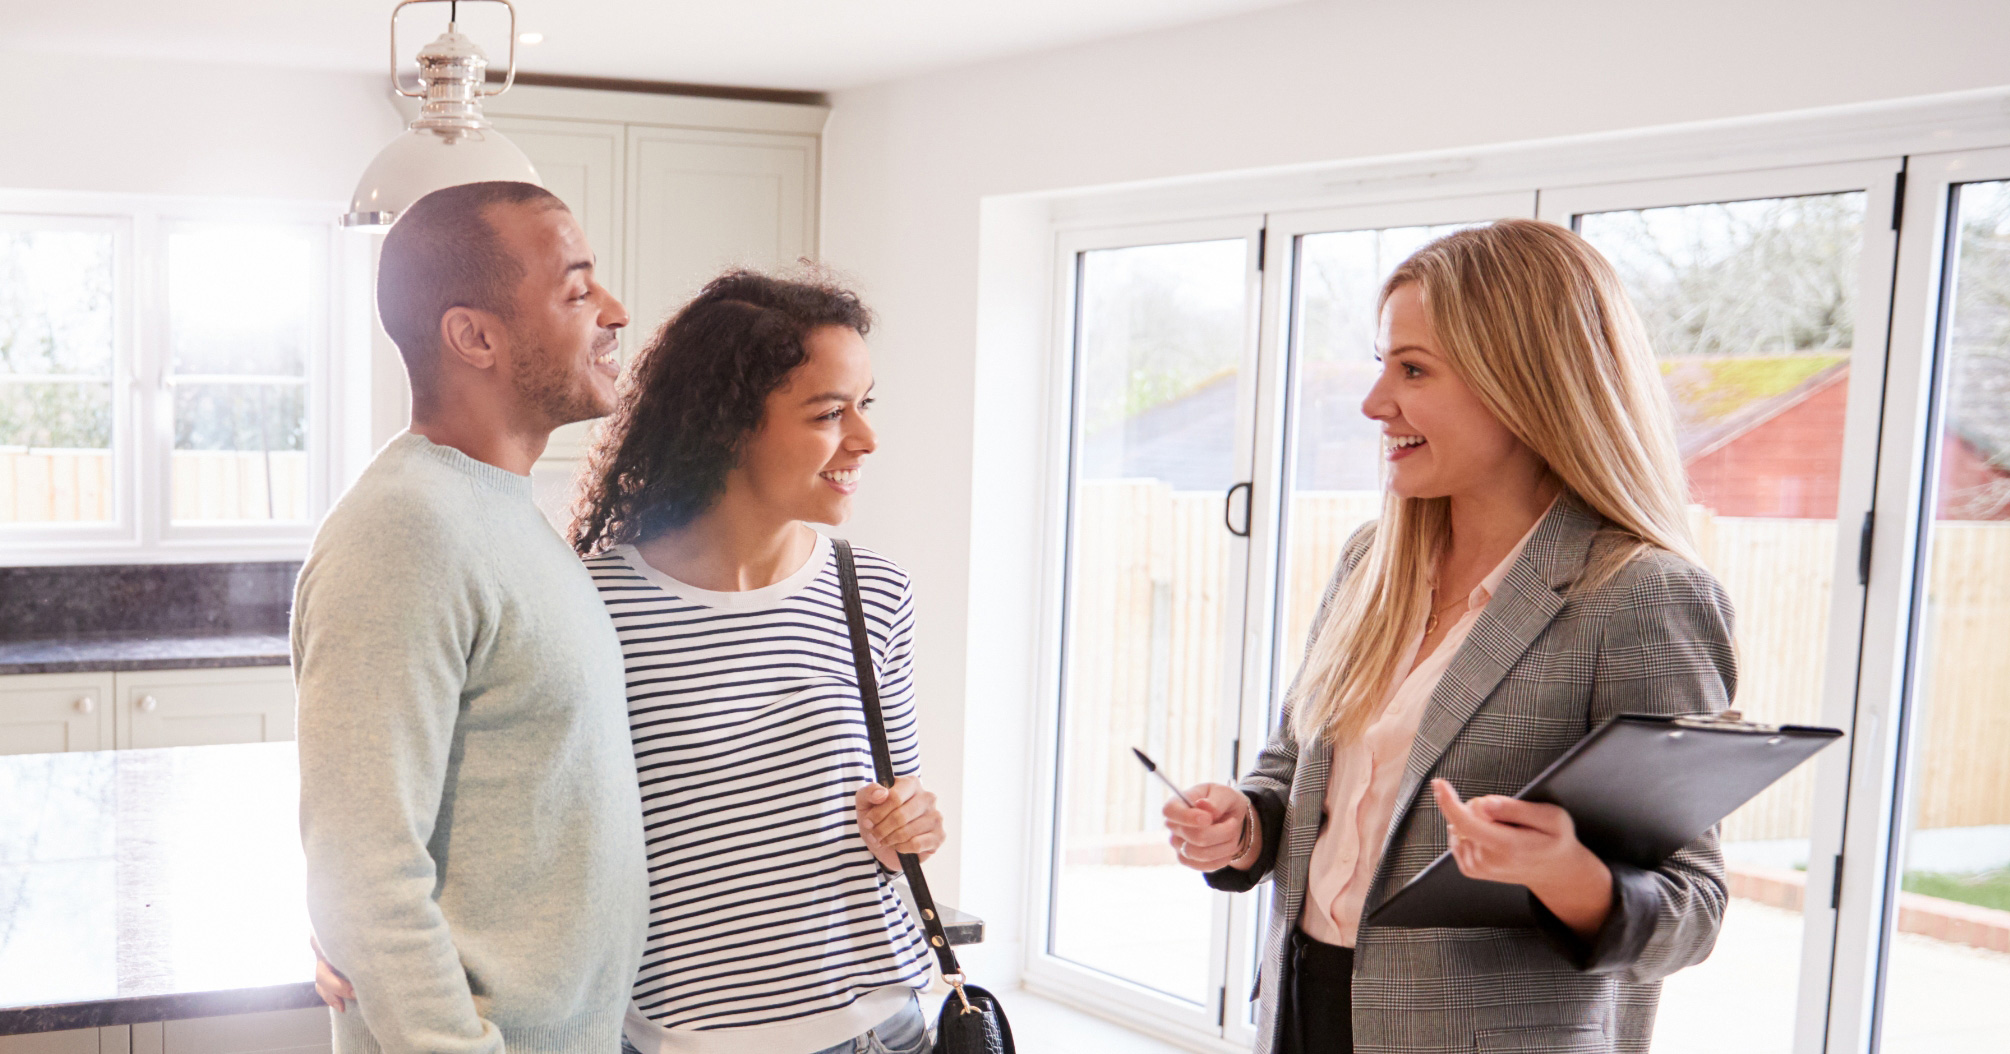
x,y
1724,720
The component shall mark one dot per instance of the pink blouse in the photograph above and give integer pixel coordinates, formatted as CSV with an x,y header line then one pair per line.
x,y
1361,786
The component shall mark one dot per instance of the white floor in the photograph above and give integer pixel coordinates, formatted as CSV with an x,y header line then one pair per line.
x,y
1944,998
1042,1026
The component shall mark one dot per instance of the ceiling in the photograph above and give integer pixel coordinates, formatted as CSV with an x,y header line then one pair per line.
x,y
815,45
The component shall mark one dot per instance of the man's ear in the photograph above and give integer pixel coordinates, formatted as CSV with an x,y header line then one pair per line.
x,y
471,336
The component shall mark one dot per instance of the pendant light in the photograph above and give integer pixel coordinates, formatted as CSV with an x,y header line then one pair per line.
x,y
450,142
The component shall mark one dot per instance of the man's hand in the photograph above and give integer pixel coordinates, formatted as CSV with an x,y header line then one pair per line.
x,y
899,819
1531,844
329,984
1205,836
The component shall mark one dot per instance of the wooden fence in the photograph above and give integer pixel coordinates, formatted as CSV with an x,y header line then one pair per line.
x,y
71,486
1146,638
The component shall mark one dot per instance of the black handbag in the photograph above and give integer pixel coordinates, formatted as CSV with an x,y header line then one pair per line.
x,y
972,1021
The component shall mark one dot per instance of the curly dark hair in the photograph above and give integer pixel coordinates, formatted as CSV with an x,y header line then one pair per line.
x,y
692,398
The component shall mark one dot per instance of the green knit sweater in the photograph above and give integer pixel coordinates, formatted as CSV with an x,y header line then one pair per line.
x,y
468,799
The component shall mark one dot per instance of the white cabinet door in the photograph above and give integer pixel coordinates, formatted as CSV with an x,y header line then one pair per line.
x,y
187,708
273,1032
700,201
49,713
580,161
74,1041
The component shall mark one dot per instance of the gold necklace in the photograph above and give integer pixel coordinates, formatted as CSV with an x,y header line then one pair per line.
x,y
1431,621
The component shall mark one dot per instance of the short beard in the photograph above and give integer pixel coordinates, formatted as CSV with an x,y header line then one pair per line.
x,y
546,387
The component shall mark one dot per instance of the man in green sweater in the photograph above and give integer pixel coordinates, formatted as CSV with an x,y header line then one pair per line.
x,y
468,798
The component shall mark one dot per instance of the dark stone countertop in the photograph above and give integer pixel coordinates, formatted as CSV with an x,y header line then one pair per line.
x,y
154,885
154,651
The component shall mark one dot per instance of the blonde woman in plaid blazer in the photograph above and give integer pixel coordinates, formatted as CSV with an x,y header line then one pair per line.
x,y
1531,575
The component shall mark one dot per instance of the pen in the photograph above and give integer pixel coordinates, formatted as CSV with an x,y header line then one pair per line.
x,y
1154,770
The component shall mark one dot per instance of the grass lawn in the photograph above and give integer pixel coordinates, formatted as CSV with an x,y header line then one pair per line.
x,y
1987,889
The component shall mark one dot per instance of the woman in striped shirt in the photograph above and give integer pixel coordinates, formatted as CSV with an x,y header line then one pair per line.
x,y
774,925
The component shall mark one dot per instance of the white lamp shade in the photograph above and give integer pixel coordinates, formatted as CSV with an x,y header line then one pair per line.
x,y
419,162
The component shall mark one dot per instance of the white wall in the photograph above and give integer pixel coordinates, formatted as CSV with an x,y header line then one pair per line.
x,y
910,165
157,127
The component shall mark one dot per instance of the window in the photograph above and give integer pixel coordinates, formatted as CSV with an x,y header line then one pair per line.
x,y
1839,364
1162,344
1335,452
58,346
241,327
1947,959
161,373
1752,309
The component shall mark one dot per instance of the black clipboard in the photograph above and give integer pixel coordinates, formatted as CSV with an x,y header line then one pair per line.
x,y
1639,787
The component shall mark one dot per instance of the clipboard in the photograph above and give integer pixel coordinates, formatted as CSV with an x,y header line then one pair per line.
x,y
1638,788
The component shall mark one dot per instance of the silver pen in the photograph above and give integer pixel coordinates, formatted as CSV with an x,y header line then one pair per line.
x,y
1154,770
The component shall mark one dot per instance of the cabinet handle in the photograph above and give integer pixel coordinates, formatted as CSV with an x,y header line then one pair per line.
x,y
86,705
148,704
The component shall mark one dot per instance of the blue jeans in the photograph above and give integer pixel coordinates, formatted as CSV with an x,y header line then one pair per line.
x,y
904,1033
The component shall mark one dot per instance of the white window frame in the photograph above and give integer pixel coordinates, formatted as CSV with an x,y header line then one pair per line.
x,y
1267,658
1741,158
1196,1028
1849,601
142,529
1898,552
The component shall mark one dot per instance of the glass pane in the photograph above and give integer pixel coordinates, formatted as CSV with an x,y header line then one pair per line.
x,y
1149,610
1751,307
1335,450
56,350
1334,482
1949,965
241,303
240,299
240,452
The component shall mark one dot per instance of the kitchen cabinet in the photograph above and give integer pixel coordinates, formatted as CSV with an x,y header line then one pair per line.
x,y
51,713
702,200
188,708
72,1041
47,713
272,1032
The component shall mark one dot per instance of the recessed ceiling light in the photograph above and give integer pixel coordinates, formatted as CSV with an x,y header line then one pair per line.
x,y
530,38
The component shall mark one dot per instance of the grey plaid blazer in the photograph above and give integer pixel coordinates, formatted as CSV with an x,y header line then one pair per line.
x,y
1543,665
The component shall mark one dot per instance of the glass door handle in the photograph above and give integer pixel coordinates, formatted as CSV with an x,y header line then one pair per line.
x,y
1228,508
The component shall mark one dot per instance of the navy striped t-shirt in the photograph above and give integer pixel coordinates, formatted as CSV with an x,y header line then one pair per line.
x,y
766,912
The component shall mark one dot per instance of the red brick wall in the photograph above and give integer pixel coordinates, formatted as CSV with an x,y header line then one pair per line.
x,y
1962,469
1788,466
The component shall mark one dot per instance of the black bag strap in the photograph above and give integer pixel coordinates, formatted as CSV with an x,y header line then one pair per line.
x,y
882,756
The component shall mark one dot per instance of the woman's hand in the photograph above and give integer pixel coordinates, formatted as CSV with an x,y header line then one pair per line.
x,y
1205,837
899,819
329,984
1530,844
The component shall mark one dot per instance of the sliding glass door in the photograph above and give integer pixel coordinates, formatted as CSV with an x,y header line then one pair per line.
x,y
1765,296
1161,328
1319,457
1835,340
1940,942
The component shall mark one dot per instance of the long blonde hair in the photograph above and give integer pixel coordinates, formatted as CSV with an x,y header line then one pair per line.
x,y
1536,323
